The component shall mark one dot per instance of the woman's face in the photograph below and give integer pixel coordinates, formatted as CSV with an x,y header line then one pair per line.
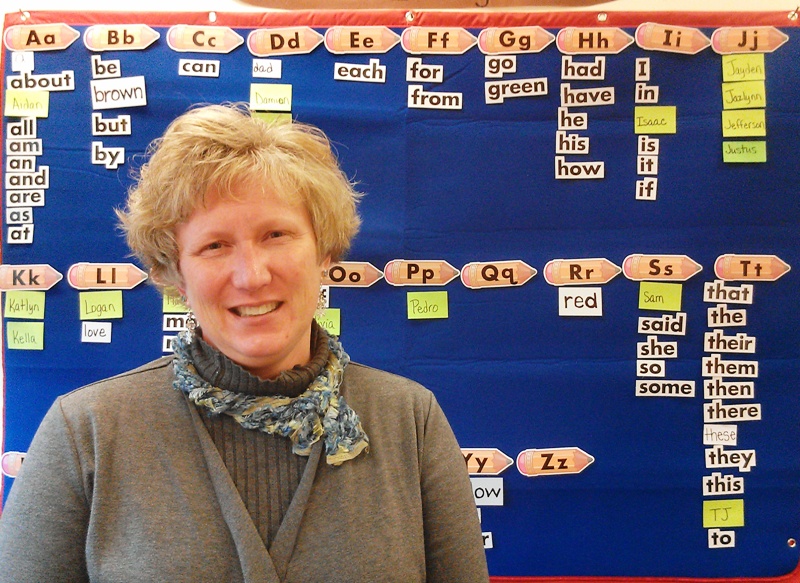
x,y
251,274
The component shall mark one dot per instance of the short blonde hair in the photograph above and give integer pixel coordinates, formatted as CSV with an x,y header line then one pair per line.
x,y
217,147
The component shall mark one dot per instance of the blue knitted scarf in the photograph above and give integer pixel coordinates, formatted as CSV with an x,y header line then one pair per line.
x,y
319,412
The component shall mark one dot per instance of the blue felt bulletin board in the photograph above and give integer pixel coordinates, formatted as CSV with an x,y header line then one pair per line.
x,y
580,231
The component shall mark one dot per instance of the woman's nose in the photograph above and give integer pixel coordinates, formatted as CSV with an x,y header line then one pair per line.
x,y
251,268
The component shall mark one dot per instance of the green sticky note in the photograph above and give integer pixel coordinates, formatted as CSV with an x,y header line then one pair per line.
x,y
331,320
654,295
25,304
744,152
172,304
723,513
742,123
25,335
270,97
427,305
743,67
655,119
101,305
744,95
27,103
271,117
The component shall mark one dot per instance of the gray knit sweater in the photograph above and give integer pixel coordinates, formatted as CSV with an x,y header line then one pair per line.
x,y
123,483
263,467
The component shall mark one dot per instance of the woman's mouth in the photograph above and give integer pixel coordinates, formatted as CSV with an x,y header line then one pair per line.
x,y
251,311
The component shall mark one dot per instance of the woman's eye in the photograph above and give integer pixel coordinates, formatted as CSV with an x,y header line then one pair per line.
x,y
214,246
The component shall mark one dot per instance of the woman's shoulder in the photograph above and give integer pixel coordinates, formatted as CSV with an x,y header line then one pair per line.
x,y
356,371
365,382
135,385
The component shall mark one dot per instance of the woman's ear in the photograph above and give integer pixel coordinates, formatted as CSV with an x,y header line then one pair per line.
x,y
325,265
179,285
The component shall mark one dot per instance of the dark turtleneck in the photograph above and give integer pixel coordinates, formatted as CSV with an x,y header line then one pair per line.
x,y
262,466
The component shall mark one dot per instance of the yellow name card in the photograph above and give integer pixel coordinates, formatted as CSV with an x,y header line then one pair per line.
x,y
744,123
28,305
25,335
744,152
427,305
270,97
331,320
743,67
271,117
172,304
101,305
655,119
744,95
660,296
27,103
728,513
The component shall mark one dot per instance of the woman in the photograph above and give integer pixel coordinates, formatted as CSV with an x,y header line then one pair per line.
x,y
256,453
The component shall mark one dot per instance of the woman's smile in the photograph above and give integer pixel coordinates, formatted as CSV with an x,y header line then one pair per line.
x,y
250,311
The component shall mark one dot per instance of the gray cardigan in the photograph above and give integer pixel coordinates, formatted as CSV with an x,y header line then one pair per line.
x,y
123,483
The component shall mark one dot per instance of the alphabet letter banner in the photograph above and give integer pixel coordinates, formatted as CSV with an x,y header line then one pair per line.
x,y
580,232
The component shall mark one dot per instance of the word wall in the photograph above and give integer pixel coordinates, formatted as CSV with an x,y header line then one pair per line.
x,y
579,232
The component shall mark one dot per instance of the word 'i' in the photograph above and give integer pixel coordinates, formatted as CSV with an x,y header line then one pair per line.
x,y
646,147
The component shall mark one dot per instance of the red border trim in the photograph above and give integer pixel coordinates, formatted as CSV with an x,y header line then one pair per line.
x,y
2,322
398,18
792,577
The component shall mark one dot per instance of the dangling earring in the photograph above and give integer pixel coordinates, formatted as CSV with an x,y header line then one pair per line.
x,y
322,301
191,321
191,326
